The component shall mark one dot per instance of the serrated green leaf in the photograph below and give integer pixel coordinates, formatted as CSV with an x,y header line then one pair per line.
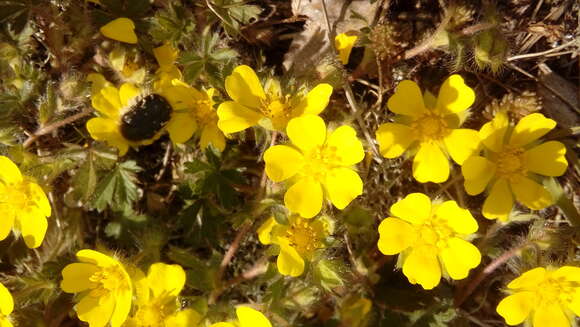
x,y
117,189
326,274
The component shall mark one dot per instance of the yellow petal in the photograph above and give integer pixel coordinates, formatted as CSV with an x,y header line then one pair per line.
x,y
344,44
454,95
181,127
315,101
462,144
96,311
265,231
306,132
4,322
107,101
499,202
516,308
98,82
7,221
414,208
95,257
407,99
529,279
122,307
477,172
492,134
121,29
104,129
430,164
184,318
222,324
547,159
343,185
211,134
459,257
282,162
251,318
568,273
127,92
348,147
244,87
75,277
166,279
459,219
551,315
422,267
165,55
304,197
6,301
33,226
289,261
531,194
394,139
9,172
234,117
37,196
395,236
531,128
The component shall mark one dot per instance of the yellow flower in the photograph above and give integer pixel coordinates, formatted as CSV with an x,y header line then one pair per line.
x,y
103,286
544,297
512,156
126,64
344,44
129,117
23,205
6,306
120,29
431,239
166,56
157,303
298,241
317,164
432,125
252,104
247,317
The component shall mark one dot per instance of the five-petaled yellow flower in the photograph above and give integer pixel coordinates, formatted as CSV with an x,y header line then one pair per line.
x,y
545,297
23,205
121,29
130,117
247,317
512,159
344,44
298,241
316,164
267,106
104,288
157,303
6,306
431,239
432,125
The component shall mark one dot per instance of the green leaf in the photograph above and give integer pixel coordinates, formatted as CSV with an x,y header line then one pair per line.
x,y
326,274
117,189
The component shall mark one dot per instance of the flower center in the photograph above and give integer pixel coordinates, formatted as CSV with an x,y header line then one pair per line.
x,y
18,195
303,237
106,280
145,118
430,126
435,232
204,113
150,315
510,162
553,290
320,161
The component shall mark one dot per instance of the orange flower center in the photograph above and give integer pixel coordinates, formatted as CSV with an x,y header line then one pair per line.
x,y
510,163
106,280
303,237
430,126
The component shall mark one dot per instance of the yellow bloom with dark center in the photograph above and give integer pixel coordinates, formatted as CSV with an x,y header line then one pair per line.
x,y
512,159
6,306
344,44
267,106
298,241
317,163
157,302
121,29
430,239
247,317
103,287
431,126
544,297
130,116
23,205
